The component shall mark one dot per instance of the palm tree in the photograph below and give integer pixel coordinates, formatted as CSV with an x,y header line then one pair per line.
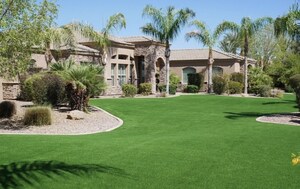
x,y
230,43
165,27
207,39
245,31
115,22
57,37
84,81
289,24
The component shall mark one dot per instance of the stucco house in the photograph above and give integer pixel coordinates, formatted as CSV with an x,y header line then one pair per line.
x,y
134,60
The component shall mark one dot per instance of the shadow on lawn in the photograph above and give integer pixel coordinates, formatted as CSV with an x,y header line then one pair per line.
x,y
234,115
291,102
19,173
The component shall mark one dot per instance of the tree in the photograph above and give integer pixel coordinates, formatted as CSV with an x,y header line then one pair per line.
x,y
57,37
230,43
289,24
264,46
22,23
83,82
115,22
245,31
207,39
165,27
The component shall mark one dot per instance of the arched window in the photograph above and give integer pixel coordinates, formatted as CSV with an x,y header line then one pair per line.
x,y
185,72
217,71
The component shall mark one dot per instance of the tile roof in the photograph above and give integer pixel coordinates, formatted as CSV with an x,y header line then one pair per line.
x,y
79,48
136,39
202,54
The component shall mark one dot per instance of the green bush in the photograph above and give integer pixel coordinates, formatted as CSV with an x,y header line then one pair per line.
x,y
219,85
264,90
129,90
145,88
27,88
40,115
257,78
295,84
7,109
172,89
235,87
196,79
48,89
192,89
237,77
174,79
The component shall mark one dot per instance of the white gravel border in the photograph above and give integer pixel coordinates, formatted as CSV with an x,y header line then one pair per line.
x,y
292,119
95,122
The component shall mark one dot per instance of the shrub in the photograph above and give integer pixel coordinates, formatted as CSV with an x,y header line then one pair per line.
x,y
172,89
196,79
145,88
129,90
27,87
48,89
295,84
277,93
257,78
264,90
7,109
174,79
219,85
237,77
235,87
192,89
40,115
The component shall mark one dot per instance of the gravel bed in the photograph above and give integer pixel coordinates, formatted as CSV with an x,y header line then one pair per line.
x,y
288,119
94,122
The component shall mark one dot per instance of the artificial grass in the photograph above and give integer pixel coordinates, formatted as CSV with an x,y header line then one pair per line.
x,y
183,142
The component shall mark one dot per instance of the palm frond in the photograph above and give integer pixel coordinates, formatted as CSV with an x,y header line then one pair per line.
x,y
115,22
202,34
226,26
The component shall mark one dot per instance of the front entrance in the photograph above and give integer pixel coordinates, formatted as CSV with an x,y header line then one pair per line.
x,y
140,69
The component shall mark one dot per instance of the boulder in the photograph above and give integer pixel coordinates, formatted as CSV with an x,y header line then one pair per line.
x,y
76,115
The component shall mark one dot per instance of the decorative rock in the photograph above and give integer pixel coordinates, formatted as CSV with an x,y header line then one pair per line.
x,y
76,115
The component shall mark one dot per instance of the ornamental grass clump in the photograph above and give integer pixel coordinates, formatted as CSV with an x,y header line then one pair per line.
x,y
145,88
7,109
39,115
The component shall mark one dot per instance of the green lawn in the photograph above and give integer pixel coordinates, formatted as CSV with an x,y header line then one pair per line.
x,y
182,142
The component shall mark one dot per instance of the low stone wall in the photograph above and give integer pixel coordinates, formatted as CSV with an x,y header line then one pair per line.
x,y
10,90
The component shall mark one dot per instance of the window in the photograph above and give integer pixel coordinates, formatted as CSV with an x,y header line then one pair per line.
x,y
122,74
114,57
113,74
185,73
217,71
123,57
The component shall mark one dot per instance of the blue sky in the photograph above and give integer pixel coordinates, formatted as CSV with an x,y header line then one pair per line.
x,y
212,12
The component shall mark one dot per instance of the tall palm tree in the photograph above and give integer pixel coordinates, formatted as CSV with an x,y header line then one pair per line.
x,y
57,37
230,43
115,22
289,24
245,30
203,36
165,27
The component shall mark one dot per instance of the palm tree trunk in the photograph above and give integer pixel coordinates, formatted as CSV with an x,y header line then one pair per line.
x,y
167,55
246,66
48,55
210,62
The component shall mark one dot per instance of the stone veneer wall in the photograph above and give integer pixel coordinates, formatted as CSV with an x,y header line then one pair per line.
x,y
151,53
11,90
